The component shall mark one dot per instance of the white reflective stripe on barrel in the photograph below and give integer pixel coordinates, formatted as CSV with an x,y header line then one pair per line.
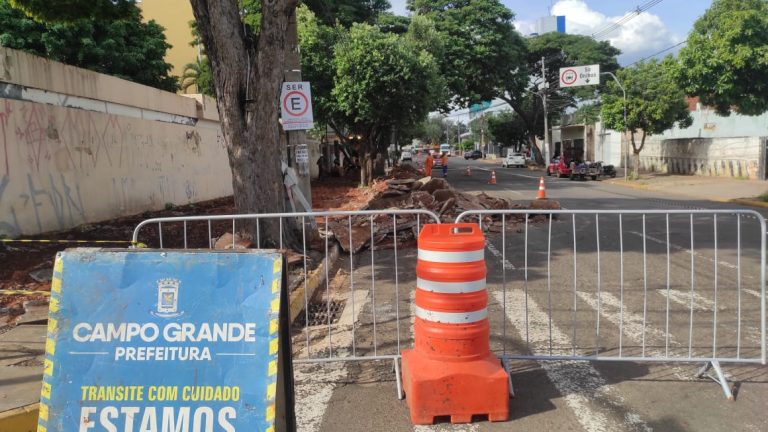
x,y
452,317
451,257
450,287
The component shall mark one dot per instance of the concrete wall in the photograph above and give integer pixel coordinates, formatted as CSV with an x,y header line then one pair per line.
x,y
79,147
727,157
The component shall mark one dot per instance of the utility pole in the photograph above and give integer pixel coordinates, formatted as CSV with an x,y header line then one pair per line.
x,y
543,90
294,138
624,132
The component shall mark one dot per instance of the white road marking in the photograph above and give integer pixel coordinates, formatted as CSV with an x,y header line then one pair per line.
x,y
315,382
497,253
683,298
578,382
687,250
632,324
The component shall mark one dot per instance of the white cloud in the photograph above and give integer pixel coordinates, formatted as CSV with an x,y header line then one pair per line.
x,y
643,35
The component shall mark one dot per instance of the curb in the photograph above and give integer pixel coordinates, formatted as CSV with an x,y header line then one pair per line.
x,y
749,202
21,419
632,186
316,278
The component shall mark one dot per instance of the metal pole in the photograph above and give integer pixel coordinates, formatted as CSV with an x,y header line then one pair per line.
x,y
544,101
624,132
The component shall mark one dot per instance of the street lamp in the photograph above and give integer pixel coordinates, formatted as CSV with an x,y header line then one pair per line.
x,y
624,133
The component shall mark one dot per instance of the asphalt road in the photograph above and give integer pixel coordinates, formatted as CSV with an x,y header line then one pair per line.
x,y
580,285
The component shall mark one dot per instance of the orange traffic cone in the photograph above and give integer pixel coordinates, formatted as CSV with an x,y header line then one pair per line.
x,y
468,173
542,193
493,178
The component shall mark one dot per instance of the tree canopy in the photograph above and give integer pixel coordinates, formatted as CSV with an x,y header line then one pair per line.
x,y
524,90
507,129
481,46
726,60
655,102
73,10
126,48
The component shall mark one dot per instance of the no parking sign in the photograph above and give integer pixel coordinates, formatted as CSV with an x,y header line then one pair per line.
x,y
296,106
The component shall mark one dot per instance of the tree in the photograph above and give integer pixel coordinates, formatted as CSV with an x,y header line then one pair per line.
x,y
126,48
382,80
347,12
198,74
64,11
507,129
726,60
523,92
655,103
481,47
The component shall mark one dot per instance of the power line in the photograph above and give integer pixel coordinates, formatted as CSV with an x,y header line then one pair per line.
x,y
660,52
610,28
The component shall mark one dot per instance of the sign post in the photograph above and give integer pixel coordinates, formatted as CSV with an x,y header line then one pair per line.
x,y
165,340
577,76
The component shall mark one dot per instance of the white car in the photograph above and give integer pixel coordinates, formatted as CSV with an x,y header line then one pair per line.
x,y
406,156
514,159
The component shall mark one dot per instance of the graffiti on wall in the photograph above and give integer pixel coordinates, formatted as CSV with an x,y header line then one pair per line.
x,y
61,167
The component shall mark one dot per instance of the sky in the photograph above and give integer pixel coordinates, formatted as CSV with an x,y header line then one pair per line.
x,y
662,26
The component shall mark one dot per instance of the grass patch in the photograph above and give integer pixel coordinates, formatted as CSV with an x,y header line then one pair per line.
x,y
763,197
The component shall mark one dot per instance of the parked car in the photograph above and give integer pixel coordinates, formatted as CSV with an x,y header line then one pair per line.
x,y
474,154
513,159
406,156
609,171
581,170
558,167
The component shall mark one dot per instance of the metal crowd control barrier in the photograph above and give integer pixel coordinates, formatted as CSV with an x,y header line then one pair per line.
x,y
378,324
624,285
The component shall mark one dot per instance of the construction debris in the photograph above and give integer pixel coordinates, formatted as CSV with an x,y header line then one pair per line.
x,y
405,189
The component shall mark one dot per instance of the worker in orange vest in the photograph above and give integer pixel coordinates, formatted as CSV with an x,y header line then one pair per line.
x,y
428,165
444,160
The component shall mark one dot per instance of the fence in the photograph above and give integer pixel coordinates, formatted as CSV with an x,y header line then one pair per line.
x,y
643,286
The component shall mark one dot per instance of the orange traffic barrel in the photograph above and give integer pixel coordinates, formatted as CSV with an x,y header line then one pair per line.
x,y
451,371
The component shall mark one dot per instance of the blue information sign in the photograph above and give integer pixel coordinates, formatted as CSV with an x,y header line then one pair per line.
x,y
145,340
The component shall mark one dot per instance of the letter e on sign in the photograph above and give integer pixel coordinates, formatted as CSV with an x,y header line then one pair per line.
x,y
296,106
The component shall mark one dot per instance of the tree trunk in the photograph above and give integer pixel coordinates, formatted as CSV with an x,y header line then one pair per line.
x,y
247,75
636,153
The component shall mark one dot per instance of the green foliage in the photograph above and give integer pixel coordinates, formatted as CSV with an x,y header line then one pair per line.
x,y
522,90
383,79
433,130
73,10
391,23
347,12
507,129
655,103
467,145
126,48
199,75
563,50
481,47
317,42
726,60
588,113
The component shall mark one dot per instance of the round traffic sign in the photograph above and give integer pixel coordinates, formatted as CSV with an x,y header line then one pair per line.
x,y
295,103
569,76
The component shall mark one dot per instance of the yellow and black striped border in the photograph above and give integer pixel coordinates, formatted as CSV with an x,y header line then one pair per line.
x,y
49,369
274,343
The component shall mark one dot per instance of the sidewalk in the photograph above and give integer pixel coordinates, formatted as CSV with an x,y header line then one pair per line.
x,y
711,188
